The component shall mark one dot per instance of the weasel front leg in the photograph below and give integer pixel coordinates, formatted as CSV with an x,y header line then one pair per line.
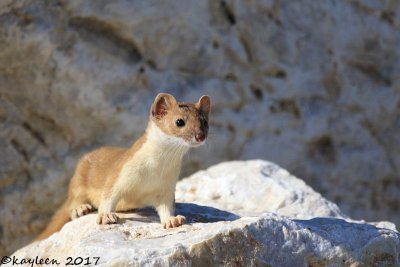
x,y
166,212
107,206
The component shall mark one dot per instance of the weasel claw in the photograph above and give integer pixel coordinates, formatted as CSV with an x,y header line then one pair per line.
x,y
80,211
107,218
173,222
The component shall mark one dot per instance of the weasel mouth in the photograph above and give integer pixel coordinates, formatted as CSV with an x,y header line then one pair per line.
x,y
195,142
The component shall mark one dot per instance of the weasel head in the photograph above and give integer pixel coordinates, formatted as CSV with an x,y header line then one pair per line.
x,y
182,123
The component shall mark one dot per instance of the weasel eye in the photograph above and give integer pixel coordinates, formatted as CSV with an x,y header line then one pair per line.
x,y
180,123
205,124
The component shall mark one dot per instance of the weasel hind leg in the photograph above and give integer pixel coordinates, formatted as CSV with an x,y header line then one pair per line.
x,y
80,210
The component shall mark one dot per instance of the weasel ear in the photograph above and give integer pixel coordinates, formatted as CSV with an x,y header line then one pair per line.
x,y
204,104
162,104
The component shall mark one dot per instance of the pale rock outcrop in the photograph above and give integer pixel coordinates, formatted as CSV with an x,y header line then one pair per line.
x,y
250,213
311,85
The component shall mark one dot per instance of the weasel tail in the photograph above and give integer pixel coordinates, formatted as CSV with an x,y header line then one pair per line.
x,y
58,220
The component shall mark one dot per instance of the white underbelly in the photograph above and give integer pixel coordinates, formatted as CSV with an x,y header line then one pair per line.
x,y
145,183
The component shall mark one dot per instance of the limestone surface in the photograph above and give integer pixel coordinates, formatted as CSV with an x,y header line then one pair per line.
x,y
233,223
311,85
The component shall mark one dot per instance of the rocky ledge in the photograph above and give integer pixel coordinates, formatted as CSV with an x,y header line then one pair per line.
x,y
250,213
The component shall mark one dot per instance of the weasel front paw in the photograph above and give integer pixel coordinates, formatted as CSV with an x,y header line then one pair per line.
x,y
107,218
80,211
172,222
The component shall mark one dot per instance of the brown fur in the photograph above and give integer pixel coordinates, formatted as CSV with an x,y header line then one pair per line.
x,y
99,174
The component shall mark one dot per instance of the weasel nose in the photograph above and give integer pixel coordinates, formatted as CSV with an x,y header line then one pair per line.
x,y
200,137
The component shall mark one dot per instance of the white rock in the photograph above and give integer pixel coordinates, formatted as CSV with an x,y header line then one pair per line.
x,y
232,219
252,187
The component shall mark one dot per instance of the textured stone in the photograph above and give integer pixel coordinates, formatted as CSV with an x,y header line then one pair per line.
x,y
254,187
311,85
242,226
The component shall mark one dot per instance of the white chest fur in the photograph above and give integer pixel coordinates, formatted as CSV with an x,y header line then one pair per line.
x,y
153,171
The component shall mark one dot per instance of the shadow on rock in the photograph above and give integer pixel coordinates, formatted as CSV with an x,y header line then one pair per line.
x,y
205,214
193,213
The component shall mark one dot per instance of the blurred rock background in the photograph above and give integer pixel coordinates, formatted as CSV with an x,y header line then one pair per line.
x,y
311,85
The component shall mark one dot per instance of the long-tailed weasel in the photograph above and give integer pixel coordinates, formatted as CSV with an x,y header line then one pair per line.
x,y
118,179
